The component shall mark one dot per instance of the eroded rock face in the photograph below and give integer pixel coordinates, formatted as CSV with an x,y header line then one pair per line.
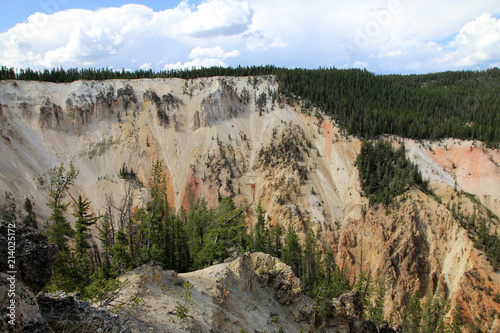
x,y
35,256
224,103
66,312
25,312
51,116
272,272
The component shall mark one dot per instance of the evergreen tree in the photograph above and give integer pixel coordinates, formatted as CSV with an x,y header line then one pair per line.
x,y
456,324
160,247
84,221
83,258
64,275
59,229
275,243
310,264
198,219
30,218
292,252
376,305
261,237
121,256
413,315
182,256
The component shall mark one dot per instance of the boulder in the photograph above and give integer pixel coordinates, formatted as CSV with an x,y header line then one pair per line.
x,y
65,312
34,256
24,314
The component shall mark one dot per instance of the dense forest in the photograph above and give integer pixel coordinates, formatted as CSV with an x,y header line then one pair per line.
x,y
385,172
461,104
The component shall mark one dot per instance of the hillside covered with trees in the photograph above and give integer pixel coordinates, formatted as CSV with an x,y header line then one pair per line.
x,y
461,104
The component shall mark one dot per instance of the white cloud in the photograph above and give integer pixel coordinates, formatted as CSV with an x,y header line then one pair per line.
x,y
205,57
360,64
214,52
263,40
75,37
389,36
393,53
218,18
477,43
196,63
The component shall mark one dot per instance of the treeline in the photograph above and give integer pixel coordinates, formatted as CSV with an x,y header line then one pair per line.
x,y
60,74
461,104
385,172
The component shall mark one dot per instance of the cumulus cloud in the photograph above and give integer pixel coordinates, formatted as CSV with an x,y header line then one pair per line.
x,y
263,40
75,37
476,43
218,17
145,66
214,52
205,57
196,63
387,36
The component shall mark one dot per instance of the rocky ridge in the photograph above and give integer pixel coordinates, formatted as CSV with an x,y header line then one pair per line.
x,y
255,292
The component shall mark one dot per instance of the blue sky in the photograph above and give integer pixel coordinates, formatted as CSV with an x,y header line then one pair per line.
x,y
384,36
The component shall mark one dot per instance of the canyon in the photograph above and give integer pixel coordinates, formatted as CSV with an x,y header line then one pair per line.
x,y
233,136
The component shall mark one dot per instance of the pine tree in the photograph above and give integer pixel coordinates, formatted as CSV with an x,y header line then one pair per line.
x,y
275,243
310,264
30,218
413,314
292,252
59,228
376,305
64,275
121,256
83,222
260,231
198,219
83,258
159,233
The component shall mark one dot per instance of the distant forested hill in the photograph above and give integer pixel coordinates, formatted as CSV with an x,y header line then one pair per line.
x,y
463,104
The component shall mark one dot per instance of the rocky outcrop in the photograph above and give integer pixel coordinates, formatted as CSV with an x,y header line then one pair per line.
x,y
273,273
223,104
24,314
254,292
51,116
63,312
34,256
34,259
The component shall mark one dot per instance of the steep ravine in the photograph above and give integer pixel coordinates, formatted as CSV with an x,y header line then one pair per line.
x,y
217,135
